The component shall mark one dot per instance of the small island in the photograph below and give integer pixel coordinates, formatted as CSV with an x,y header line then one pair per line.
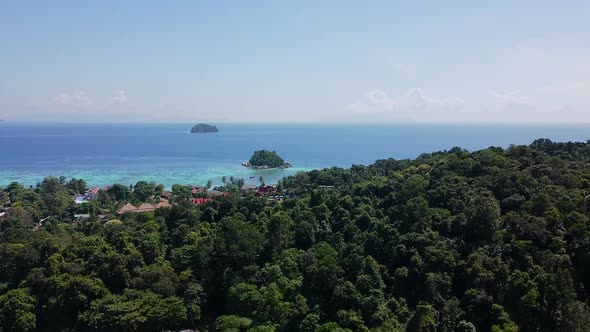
x,y
264,159
204,128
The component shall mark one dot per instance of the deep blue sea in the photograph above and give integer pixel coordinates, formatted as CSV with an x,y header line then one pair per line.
x,y
103,154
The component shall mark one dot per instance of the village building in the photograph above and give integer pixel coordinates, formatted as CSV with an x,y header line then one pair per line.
x,y
201,200
163,204
92,193
265,190
143,207
127,208
81,217
217,193
249,187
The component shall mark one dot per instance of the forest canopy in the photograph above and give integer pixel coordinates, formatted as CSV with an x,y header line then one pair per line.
x,y
490,240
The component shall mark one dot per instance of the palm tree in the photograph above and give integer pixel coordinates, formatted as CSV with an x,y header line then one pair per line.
x,y
261,179
209,185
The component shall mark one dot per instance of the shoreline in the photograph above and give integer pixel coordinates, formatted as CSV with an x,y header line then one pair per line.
x,y
102,177
265,167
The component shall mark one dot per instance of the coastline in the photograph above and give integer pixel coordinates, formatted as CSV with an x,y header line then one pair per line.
x,y
166,153
167,175
264,167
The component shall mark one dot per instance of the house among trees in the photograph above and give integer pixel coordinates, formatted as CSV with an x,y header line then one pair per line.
x,y
81,217
143,207
265,190
127,208
166,194
197,189
201,200
92,193
163,204
218,193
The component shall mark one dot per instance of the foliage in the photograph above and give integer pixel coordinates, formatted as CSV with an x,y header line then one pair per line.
x,y
204,128
17,311
491,240
265,158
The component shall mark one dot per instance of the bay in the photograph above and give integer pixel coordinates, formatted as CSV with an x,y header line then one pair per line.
x,y
103,154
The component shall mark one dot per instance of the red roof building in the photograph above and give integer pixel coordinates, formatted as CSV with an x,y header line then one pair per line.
x,y
201,200
265,190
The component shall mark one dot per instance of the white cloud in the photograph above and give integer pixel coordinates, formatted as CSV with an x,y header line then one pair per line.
x,y
416,101
569,88
77,99
379,98
534,106
120,98
513,99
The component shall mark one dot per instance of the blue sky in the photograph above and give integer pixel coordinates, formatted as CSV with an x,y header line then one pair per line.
x,y
295,61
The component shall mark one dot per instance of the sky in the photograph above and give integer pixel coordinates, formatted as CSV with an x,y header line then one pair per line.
x,y
295,61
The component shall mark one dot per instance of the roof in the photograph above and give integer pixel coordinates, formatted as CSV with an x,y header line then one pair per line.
x,y
145,207
127,208
265,190
94,190
82,215
202,200
163,204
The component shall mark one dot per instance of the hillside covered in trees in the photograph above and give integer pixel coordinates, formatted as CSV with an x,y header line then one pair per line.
x,y
492,240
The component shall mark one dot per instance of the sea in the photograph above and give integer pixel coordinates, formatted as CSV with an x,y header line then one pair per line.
x,y
103,154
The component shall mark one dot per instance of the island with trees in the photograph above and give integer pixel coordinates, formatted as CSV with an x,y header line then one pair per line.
x,y
265,159
204,128
490,240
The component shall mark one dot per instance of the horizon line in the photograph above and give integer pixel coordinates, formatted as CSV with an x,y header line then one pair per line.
x,y
336,123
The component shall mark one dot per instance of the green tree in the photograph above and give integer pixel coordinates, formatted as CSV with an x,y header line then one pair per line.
x,y
483,218
136,310
78,186
423,319
280,233
231,323
240,242
17,311
119,192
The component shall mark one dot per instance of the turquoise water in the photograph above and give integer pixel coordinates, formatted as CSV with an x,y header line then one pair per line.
x,y
103,154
